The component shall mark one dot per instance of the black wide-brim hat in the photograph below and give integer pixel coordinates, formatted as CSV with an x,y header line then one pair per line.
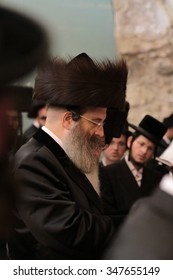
x,y
151,128
23,45
17,97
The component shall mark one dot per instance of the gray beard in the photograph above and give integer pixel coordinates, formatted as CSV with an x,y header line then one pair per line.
x,y
81,149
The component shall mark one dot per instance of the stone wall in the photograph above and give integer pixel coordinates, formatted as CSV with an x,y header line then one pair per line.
x,y
144,36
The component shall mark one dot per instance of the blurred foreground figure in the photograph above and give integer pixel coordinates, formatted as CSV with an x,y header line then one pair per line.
x,y
147,232
59,210
23,44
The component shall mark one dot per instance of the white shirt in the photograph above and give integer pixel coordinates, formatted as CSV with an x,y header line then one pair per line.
x,y
166,184
136,173
51,134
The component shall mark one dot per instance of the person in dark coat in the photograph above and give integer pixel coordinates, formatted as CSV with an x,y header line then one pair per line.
x,y
58,205
168,136
129,179
38,113
147,232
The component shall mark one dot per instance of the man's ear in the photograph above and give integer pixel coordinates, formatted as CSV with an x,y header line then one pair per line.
x,y
129,141
67,120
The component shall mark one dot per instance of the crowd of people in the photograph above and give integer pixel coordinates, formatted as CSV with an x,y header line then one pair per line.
x,y
85,183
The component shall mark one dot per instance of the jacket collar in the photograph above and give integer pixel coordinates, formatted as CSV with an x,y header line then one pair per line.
x,y
75,174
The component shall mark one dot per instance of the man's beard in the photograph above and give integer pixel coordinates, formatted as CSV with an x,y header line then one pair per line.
x,y
137,164
81,148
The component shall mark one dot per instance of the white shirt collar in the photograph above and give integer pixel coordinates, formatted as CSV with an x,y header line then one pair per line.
x,y
51,134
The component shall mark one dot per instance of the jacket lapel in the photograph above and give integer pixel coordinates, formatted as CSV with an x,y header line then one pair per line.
x,y
75,174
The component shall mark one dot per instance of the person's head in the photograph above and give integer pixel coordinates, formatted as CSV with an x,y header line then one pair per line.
x,y
115,150
78,94
81,132
38,112
13,120
117,147
168,122
143,143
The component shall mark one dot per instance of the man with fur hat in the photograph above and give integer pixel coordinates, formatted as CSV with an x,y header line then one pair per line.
x,y
58,194
129,179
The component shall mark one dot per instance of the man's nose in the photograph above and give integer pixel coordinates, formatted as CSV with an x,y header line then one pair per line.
x,y
100,131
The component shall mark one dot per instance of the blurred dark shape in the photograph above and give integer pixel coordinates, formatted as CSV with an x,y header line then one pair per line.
x,y
23,45
113,117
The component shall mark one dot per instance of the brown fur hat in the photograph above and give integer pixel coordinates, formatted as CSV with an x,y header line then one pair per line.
x,y
82,82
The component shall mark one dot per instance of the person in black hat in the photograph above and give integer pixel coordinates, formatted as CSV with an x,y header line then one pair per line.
x,y
116,149
168,137
17,99
38,113
129,179
60,212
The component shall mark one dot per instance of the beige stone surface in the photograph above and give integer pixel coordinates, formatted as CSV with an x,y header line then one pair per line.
x,y
144,36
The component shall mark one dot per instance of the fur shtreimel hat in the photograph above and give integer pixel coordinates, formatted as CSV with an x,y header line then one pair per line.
x,y
168,122
151,128
82,82
23,45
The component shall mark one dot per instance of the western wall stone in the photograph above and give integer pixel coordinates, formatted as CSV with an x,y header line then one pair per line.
x,y
144,36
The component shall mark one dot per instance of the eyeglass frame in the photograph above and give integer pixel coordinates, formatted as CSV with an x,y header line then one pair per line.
x,y
98,124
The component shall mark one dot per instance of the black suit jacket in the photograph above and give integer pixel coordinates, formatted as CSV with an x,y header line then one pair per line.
x,y
28,134
59,214
120,189
147,232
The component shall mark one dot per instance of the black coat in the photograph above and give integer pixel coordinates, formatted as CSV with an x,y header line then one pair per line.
x,y
60,214
147,232
28,134
120,189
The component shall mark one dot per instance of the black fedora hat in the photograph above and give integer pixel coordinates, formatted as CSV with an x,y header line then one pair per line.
x,y
23,45
17,97
168,122
151,128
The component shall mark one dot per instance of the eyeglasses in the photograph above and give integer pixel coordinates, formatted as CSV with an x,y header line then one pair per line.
x,y
97,124
43,118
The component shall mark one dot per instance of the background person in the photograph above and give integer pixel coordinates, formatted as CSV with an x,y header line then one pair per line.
x,y
38,113
116,149
129,179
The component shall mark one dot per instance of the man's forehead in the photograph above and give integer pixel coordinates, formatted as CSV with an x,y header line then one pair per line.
x,y
145,140
96,110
